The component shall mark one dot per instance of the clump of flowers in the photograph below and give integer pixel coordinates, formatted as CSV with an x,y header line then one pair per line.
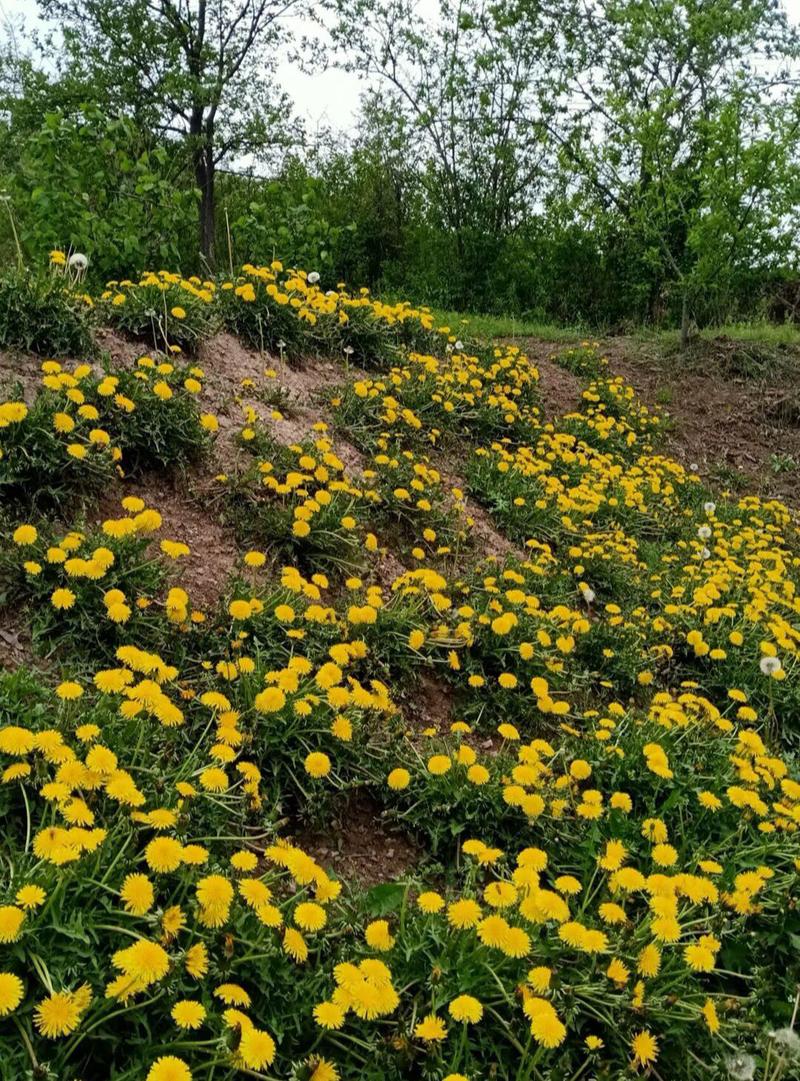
x,y
586,732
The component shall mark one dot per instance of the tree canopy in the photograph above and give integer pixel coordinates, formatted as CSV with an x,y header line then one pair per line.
x,y
600,162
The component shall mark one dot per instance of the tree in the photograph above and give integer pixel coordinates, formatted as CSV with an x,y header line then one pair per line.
x,y
680,128
472,87
98,185
199,72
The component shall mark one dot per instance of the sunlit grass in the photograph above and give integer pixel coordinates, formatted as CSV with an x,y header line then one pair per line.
x,y
506,326
512,326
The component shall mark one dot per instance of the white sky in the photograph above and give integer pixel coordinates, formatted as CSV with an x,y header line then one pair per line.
x,y
327,98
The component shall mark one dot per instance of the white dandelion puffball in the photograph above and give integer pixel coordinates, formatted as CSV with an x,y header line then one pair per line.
x,y
709,507
769,665
313,278
459,346
788,1041
78,261
704,532
741,1067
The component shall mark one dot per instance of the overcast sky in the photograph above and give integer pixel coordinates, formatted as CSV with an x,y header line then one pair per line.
x,y
328,98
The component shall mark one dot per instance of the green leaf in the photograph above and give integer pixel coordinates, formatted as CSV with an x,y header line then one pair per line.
x,y
383,899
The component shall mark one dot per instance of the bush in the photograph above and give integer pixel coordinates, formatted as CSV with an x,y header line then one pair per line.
x,y
52,450
165,310
40,313
96,184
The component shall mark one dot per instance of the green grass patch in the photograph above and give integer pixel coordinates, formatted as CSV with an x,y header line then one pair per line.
x,y
504,326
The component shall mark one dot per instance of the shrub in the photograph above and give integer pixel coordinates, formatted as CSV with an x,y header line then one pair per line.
x,y
167,311
40,313
48,455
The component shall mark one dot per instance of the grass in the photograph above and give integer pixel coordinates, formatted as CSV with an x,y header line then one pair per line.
x,y
763,333
513,326
505,326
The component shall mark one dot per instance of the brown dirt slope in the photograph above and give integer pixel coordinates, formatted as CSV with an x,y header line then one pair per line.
x,y
740,430
736,420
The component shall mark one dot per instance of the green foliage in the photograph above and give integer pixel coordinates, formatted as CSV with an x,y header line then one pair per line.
x,y
298,503
80,430
416,507
37,468
214,97
40,313
167,311
582,360
80,587
264,319
667,194
100,185
153,416
284,219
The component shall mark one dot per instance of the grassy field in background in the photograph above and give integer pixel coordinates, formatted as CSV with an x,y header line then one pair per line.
x,y
510,326
505,326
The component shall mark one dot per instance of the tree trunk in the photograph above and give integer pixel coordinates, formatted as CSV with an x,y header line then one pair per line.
x,y
684,321
204,178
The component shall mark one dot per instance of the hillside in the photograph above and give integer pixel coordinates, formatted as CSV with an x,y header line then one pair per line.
x,y
380,704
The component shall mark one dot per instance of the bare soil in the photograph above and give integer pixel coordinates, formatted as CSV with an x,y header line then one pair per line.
x,y
237,378
360,847
733,427
560,390
732,409
22,369
213,551
16,650
431,704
